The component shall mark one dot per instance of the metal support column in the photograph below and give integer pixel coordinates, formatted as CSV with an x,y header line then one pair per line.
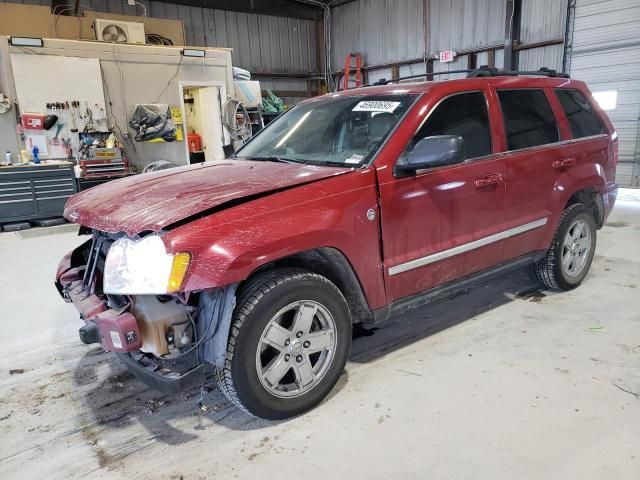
x,y
511,33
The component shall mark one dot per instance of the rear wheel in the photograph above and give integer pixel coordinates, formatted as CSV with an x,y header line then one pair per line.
x,y
288,344
567,261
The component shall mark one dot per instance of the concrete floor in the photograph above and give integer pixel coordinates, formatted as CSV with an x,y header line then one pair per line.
x,y
502,382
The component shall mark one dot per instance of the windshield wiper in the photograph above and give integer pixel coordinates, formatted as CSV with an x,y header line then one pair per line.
x,y
273,159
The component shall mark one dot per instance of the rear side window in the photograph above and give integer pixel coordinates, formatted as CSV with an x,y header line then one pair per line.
x,y
528,118
465,115
583,121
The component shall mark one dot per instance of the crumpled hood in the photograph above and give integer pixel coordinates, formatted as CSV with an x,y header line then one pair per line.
x,y
155,200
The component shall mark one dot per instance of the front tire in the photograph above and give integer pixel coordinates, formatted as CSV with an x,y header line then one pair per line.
x,y
288,344
569,258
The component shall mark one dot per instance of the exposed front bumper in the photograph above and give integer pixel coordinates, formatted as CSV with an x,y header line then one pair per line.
x,y
118,329
158,378
111,321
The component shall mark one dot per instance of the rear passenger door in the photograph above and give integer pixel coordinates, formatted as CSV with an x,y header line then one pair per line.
x,y
534,154
590,138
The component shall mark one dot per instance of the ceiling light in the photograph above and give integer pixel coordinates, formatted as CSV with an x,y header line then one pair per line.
x,y
26,42
190,52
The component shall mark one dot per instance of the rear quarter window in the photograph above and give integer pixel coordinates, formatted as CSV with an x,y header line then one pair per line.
x,y
528,118
583,120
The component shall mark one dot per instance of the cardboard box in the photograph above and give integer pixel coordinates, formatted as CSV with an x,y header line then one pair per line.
x,y
38,21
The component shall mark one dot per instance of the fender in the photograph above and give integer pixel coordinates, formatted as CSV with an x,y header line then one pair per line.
x,y
581,177
230,245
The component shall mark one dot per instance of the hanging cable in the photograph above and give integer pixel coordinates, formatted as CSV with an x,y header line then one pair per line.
x,y
142,17
170,80
58,10
239,132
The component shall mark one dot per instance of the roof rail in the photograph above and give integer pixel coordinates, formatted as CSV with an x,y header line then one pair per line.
x,y
486,71
483,71
384,81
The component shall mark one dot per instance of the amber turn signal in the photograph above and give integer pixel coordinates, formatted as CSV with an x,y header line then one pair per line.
x,y
178,271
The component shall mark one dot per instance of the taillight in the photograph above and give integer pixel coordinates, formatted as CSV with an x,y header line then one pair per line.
x,y
613,149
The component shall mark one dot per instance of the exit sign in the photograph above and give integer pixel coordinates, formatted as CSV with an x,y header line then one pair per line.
x,y
447,56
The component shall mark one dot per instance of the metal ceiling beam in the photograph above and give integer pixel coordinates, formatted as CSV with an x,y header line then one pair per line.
x,y
279,8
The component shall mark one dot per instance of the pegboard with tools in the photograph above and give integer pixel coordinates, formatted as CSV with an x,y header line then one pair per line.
x,y
67,92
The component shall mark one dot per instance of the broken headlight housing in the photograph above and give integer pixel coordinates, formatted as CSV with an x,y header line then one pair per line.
x,y
143,267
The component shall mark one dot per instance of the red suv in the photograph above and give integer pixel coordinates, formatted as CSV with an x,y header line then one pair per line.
x,y
351,207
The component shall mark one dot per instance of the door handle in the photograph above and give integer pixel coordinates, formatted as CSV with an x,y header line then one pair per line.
x,y
564,163
488,181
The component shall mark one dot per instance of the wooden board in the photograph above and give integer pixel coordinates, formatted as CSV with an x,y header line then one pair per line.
x,y
37,21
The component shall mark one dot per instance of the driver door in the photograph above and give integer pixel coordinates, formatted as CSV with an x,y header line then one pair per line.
x,y
445,223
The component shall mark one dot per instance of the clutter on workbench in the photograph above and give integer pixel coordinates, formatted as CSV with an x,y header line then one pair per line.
x,y
101,157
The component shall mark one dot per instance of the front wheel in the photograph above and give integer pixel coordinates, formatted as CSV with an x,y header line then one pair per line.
x,y
289,341
568,259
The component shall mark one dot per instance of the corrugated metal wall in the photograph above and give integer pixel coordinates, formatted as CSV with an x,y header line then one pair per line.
x,y
542,20
261,43
383,30
465,24
388,31
605,52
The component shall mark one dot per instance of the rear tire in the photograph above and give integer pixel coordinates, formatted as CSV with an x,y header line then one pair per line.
x,y
569,258
288,344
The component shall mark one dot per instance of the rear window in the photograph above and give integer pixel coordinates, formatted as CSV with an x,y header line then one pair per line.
x,y
528,118
583,120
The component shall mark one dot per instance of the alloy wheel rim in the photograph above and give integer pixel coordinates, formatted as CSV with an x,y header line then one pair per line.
x,y
576,248
296,349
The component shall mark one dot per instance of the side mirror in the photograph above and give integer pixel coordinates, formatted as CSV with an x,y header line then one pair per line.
x,y
431,152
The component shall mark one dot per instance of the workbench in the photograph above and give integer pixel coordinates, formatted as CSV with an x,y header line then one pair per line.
x,y
34,192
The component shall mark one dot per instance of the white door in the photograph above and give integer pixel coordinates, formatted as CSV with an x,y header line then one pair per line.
x,y
210,123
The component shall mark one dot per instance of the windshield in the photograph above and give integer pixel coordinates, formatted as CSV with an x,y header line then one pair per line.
x,y
342,131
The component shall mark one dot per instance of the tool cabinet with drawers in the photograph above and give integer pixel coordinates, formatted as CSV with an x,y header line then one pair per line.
x,y
33,192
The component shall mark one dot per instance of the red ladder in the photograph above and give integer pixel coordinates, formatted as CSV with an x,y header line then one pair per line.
x,y
352,73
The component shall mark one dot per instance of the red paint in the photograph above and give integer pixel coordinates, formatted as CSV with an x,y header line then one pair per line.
x,y
158,199
293,208
117,326
118,323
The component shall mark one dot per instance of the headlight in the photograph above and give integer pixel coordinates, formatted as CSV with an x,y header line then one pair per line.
x,y
138,267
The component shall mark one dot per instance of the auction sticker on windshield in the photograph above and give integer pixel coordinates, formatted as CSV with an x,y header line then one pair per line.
x,y
355,158
376,106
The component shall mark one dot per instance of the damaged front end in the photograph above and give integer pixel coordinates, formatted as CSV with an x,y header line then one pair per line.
x,y
164,336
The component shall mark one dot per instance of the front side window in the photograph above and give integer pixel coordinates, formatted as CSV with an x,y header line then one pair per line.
x,y
528,118
336,131
464,115
583,121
